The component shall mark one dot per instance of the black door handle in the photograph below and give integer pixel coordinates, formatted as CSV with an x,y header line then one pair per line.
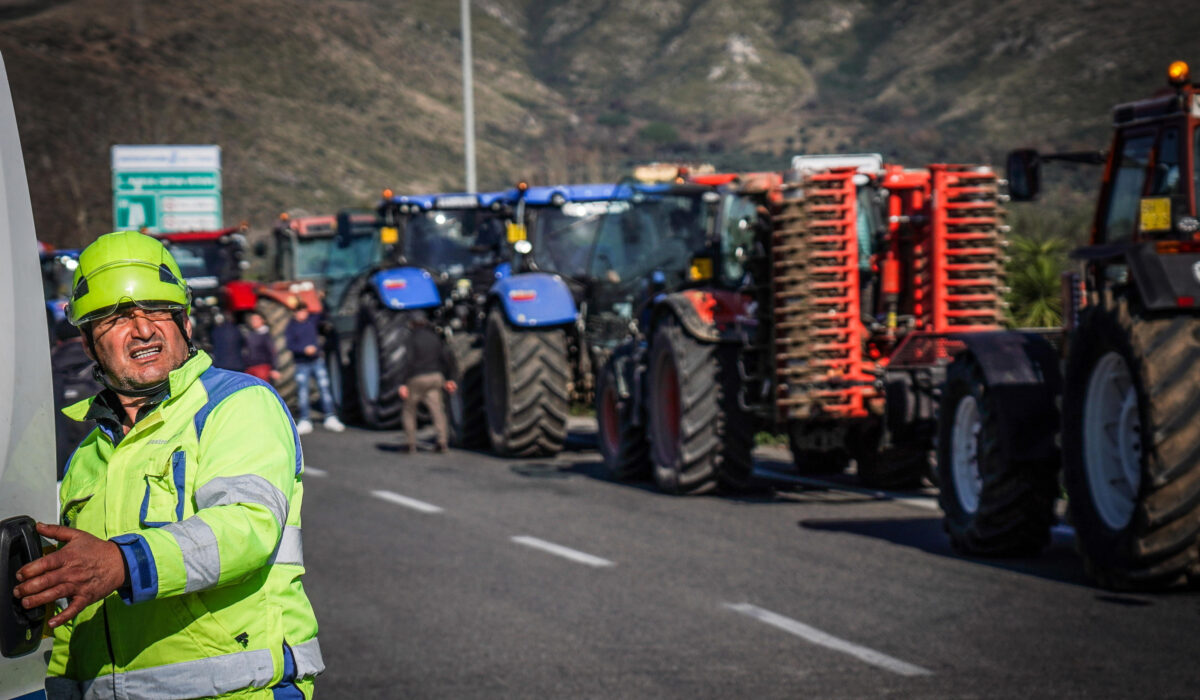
x,y
20,629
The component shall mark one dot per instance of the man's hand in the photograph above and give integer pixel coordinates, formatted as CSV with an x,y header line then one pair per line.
x,y
275,375
404,392
85,570
451,386
310,350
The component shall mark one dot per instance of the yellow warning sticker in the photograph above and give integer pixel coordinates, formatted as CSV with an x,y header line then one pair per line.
x,y
389,235
702,269
1156,214
516,232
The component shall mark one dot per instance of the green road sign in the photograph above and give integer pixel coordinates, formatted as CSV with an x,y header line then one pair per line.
x,y
167,188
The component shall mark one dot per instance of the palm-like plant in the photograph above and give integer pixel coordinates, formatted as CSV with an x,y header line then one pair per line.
x,y
1034,276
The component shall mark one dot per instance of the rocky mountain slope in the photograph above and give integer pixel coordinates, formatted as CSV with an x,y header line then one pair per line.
x,y
319,105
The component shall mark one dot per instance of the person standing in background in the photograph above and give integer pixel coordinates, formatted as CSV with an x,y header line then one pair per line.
x,y
228,343
428,368
304,340
260,349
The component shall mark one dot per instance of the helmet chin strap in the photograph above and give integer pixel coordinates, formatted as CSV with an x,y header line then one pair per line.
x,y
101,376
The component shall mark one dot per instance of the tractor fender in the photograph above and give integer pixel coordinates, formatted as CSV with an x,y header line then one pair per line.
x,y
289,294
1024,367
710,315
406,288
534,299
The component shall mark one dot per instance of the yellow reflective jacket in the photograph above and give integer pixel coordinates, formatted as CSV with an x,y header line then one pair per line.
x,y
203,497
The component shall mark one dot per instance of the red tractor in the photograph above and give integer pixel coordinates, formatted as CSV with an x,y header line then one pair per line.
x,y
309,267
1111,404
824,306
212,263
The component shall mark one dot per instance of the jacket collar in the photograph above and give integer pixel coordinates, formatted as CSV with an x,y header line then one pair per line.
x,y
178,382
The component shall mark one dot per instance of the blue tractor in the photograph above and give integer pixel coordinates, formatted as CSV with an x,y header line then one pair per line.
x,y
589,254
439,250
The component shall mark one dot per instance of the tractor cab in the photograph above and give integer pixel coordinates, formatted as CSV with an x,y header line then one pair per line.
x,y
459,239
307,249
208,259
614,244
1146,227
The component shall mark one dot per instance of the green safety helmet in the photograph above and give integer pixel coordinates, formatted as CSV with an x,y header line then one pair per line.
x,y
121,269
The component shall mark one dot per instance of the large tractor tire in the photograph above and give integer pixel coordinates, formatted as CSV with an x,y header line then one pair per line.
x,y
699,437
995,504
343,384
277,317
526,388
1131,427
379,357
623,445
468,415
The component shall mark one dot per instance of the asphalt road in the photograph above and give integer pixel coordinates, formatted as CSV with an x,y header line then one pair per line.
x,y
464,575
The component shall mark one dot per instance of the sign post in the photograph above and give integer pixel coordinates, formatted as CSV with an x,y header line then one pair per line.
x,y
165,189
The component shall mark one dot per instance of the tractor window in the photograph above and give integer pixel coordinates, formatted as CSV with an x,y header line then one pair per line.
x,y
1196,167
452,240
201,259
564,237
656,233
737,235
1166,165
1129,177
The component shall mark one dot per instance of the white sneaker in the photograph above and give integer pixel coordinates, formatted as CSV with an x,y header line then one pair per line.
x,y
333,425
304,427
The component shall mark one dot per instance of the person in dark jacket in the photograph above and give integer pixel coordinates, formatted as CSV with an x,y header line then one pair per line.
x,y
429,367
304,340
260,349
228,344
71,373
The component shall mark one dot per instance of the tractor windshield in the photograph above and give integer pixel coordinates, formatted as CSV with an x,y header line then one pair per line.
x,y
739,219
204,264
57,271
619,242
454,241
319,257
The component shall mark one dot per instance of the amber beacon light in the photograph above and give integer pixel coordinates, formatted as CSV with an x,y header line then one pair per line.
x,y
1178,73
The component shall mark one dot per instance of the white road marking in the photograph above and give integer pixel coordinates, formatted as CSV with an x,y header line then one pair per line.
x,y
926,502
313,471
406,501
566,552
818,637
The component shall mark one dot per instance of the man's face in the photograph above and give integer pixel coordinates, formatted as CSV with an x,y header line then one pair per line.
x,y
256,321
138,349
301,315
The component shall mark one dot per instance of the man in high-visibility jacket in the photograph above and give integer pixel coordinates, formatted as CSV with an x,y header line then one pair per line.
x,y
180,514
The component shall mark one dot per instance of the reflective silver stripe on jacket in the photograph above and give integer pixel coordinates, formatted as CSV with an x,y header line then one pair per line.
x,y
201,555
188,679
290,549
308,658
248,488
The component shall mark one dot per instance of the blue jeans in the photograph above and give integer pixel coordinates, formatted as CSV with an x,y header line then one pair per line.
x,y
305,369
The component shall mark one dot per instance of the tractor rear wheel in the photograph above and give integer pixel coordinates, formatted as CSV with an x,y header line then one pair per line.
x,y
622,444
379,357
1131,427
277,317
526,388
468,415
699,438
994,503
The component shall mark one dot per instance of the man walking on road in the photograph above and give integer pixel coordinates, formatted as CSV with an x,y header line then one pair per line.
x,y
429,367
303,339
181,554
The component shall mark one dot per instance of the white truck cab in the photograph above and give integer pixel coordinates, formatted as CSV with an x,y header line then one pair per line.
x,y
27,461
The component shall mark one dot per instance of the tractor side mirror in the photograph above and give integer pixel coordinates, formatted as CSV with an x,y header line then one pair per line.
x,y
1023,170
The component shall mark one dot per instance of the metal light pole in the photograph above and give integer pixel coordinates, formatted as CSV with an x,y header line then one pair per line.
x,y
468,96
